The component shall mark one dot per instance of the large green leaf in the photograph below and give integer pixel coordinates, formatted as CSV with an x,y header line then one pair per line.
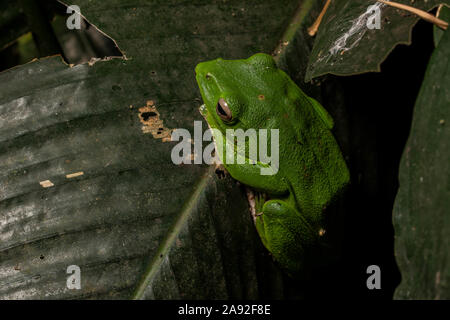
x,y
421,214
345,45
136,224
443,14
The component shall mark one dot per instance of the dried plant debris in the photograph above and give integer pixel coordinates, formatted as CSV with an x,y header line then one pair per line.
x,y
149,117
46,184
74,175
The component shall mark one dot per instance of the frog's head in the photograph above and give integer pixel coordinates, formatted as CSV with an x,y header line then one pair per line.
x,y
243,94
239,94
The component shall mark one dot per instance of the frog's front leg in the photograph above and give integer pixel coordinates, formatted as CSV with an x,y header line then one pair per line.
x,y
285,233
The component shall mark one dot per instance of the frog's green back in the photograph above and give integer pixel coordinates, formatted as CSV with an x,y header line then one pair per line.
x,y
317,169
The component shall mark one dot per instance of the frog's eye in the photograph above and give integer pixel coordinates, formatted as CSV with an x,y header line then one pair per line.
x,y
223,111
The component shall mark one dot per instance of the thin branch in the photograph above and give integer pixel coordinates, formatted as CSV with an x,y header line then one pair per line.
x,y
424,15
313,29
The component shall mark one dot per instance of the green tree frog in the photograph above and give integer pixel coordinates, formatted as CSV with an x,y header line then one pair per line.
x,y
254,94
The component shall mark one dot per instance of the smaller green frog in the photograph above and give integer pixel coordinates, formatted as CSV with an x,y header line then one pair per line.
x,y
255,94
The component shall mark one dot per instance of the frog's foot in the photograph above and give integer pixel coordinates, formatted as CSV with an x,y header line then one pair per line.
x,y
286,234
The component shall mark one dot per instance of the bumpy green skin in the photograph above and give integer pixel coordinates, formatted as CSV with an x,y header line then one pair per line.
x,y
312,171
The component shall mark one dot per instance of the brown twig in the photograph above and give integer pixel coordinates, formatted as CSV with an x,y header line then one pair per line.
x,y
424,15
313,29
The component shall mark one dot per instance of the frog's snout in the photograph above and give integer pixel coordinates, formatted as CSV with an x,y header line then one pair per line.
x,y
204,68
196,70
199,69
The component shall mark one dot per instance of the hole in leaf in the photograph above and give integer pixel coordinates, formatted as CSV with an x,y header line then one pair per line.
x,y
146,115
37,28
